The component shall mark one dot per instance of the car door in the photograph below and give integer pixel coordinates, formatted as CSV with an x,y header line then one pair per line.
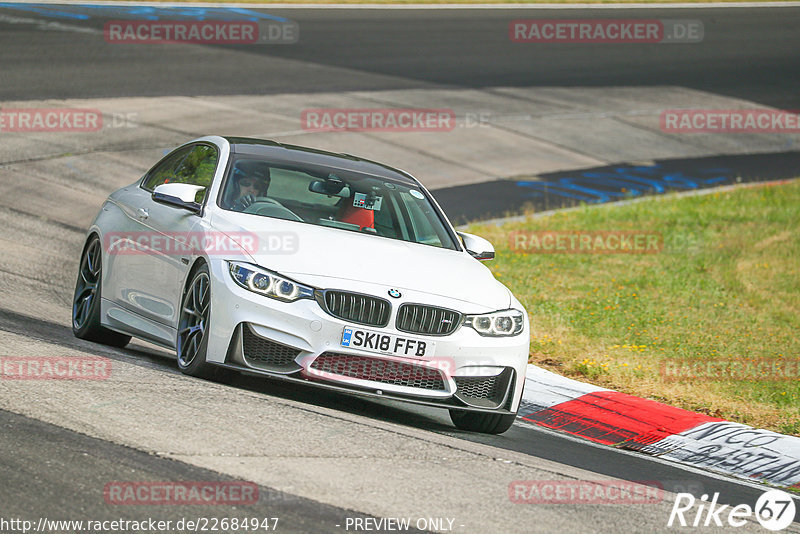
x,y
154,273
129,247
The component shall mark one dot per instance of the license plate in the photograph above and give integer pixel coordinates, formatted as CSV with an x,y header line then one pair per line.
x,y
359,338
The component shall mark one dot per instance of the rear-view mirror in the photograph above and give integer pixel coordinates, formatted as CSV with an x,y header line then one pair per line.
x,y
330,188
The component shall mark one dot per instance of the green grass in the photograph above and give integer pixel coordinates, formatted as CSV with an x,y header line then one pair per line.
x,y
724,287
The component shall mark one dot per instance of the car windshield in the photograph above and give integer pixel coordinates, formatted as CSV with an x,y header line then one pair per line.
x,y
333,198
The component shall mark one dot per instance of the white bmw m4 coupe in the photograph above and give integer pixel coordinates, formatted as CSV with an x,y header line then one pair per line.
x,y
306,266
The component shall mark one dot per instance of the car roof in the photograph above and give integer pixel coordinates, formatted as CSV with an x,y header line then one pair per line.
x,y
301,154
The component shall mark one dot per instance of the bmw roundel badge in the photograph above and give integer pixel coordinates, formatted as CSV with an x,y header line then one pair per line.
x,y
395,293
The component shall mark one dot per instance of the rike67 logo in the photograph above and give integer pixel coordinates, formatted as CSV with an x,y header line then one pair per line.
x,y
774,509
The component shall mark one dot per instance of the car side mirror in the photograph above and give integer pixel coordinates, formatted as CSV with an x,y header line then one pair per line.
x,y
478,247
179,195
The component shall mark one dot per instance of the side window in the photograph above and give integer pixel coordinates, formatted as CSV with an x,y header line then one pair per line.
x,y
197,168
165,171
420,220
191,165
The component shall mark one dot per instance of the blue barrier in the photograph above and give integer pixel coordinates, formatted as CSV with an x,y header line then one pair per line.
x,y
85,12
624,181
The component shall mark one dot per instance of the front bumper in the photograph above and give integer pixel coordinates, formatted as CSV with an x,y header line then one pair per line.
x,y
300,342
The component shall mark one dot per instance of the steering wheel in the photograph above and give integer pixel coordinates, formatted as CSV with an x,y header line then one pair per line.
x,y
262,200
271,208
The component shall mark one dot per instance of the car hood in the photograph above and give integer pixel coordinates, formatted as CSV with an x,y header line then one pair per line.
x,y
316,255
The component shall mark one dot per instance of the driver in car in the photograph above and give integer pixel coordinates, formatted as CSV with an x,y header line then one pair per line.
x,y
250,181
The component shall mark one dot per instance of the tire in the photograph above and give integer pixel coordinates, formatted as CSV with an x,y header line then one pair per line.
x,y
193,328
86,300
487,423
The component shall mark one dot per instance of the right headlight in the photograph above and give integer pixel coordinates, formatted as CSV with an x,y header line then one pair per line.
x,y
268,283
497,324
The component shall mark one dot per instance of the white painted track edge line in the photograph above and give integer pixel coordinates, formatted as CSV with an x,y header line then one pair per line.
x,y
672,463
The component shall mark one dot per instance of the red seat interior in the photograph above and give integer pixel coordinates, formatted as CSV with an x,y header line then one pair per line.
x,y
360,216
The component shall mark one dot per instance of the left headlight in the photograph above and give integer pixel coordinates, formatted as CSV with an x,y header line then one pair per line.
x,y
497,324
267,283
